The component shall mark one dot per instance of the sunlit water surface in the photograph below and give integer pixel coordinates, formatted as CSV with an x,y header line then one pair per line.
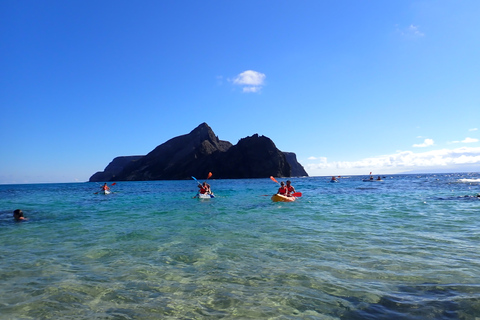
x,y
404,248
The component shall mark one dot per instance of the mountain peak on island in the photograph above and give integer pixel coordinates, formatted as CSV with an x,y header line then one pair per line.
x,y
200,152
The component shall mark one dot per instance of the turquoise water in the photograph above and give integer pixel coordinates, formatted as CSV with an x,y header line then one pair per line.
x,y
404,248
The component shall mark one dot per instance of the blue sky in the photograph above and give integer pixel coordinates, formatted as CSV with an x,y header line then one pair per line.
x,y
351,87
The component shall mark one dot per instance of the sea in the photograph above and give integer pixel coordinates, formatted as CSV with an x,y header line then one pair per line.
x,y
406,247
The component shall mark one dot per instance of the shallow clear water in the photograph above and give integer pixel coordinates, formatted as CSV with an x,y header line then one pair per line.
x,y
404,248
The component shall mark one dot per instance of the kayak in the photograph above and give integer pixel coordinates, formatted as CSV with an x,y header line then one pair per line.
x,y
204,196
368,180
333,180
105,192
281,198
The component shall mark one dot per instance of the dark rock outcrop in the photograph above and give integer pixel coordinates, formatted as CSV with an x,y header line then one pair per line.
x,y
297,168
252,157
199,152
114,168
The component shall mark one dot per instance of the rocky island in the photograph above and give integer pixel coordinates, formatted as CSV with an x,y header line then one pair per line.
x,y
200,152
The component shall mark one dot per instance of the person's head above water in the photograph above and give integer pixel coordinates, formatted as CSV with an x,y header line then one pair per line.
x,y
18,215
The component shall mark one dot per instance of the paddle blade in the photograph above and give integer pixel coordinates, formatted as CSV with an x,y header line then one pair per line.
x,y
297,194
209,175
273,179
113,184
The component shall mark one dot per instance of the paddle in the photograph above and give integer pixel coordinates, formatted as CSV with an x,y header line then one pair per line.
x,y
110,185
208,177
195,179
273,179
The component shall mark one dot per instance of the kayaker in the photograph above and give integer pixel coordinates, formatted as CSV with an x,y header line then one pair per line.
x,y
290,188
204,188
207,186
18,215
283,189
333,179
105,187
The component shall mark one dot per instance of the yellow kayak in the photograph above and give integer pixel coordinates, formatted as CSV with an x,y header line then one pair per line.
x,y
281,198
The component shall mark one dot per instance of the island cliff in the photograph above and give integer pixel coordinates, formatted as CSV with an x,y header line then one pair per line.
x,y
199,152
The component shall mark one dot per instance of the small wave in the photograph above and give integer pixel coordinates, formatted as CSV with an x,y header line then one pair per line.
x,y
469,180
467,197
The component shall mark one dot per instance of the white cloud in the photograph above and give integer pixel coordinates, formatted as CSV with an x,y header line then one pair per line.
x,y
426,143
252,81
321,159
415,31
469,140
412,31
466,140
473,129
401,161
251,89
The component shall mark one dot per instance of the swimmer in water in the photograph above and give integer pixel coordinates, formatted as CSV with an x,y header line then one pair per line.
x,y
18,215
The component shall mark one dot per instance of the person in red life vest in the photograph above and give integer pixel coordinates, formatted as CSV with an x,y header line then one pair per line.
x,y
290,188
204,188
105,187
283,189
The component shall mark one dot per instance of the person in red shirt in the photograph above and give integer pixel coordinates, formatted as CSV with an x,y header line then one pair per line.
x,y
283,189
204,188
290,188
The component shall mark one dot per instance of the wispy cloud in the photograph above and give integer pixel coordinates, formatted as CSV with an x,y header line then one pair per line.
x,y
250,80
426,143
400,162
466,140
473,129
320,159
251,89
412,31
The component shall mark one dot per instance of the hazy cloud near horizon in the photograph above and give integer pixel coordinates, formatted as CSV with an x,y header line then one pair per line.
x,y
402,161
